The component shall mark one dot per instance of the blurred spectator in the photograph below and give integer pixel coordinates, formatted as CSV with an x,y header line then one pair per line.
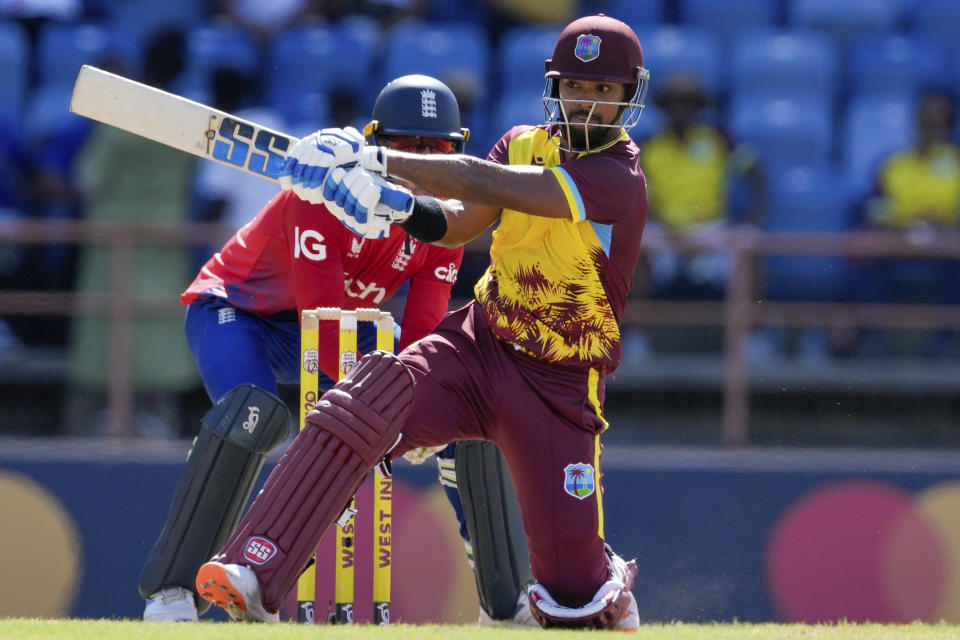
x,y
29,189
54,137
693,172
15,168
223,195
466,86
127,178
917,192
919,187
344,109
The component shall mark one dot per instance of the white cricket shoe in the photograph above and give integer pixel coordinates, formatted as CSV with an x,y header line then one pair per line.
x,y
234,588
625,572
171,604
631,618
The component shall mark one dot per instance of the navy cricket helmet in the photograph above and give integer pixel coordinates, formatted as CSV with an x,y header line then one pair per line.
x,y
417,105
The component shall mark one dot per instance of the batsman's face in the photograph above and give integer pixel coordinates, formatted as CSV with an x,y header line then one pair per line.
x,y
591,108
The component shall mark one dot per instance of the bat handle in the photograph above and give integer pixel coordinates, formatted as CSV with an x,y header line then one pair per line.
x,y
395,199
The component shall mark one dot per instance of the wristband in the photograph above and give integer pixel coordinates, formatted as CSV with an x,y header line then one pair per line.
x,y
427,221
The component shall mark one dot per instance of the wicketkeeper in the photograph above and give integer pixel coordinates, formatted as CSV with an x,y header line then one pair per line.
x,y
242,325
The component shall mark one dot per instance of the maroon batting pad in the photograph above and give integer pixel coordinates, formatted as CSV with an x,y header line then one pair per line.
x,y
349,430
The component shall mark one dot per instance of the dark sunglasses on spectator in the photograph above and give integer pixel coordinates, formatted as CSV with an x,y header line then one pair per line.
x,y
416,143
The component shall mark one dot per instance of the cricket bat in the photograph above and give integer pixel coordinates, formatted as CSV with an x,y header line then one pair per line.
x,y
179,123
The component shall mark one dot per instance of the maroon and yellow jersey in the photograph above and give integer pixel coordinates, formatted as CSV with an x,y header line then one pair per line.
x,y
556,287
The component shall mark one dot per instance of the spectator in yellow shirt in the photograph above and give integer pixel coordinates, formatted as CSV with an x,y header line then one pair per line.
x,y
917,191
919,188
693,170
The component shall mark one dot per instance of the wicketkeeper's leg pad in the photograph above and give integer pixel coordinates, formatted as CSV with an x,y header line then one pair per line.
x,y
235,437
495,526
349,430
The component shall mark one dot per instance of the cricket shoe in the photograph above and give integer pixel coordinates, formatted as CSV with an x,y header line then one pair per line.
x,y
625,572
171,604
234,588
631,617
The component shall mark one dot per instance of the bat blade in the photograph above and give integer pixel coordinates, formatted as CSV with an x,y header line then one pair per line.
x,y
180,123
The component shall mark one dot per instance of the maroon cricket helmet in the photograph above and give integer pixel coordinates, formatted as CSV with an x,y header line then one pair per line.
x,y
596,48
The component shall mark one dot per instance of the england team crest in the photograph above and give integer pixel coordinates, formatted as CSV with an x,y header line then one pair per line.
x,y
588,47
579,480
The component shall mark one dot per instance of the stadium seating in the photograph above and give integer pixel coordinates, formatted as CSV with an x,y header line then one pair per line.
x,y
455,11
62,48
48,112
937,18
806,199
846,20
791,63
307,61
636,13
13,69
726,18
785,132
897,65
514,110
874,127
139,20
445,51
669,50
309,107
651,120
520,58
214,45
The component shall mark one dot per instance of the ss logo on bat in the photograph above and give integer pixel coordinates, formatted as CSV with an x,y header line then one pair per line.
x,y
243,145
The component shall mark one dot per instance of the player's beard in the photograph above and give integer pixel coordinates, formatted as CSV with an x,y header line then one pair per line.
x,y
584,136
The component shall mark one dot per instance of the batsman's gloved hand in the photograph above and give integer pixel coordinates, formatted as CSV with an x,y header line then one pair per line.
x,y
374,159
365,203
309,162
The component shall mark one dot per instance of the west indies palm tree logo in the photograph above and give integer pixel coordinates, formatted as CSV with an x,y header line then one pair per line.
x,y
588,47
578,480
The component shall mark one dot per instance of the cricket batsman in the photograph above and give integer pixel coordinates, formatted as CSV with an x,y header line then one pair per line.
x,y
522,365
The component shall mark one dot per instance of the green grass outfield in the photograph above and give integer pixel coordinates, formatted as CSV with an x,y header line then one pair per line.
x,y
29,629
